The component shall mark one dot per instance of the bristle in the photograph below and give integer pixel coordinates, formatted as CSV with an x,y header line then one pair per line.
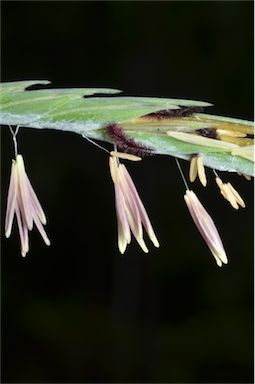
x,y
125,143
174,113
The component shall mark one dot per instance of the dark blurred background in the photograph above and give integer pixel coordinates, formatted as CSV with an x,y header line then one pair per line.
x,y
79,311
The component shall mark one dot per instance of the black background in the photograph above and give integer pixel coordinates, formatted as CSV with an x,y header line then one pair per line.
x,y
78,311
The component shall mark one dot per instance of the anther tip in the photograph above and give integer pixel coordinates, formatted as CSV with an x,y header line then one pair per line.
x,y
156,243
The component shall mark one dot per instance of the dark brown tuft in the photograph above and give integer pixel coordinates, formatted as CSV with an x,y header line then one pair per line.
x,y
208,132
125,143
174,113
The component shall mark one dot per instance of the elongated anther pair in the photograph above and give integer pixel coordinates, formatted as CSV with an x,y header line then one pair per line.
x,y
130,211
206,227
23,203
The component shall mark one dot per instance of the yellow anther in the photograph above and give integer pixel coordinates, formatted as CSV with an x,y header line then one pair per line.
x,y
126,156
197,168
193,169
201,170
230,194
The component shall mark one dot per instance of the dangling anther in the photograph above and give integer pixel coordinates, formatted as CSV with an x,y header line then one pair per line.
x,y
197,168
230,193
